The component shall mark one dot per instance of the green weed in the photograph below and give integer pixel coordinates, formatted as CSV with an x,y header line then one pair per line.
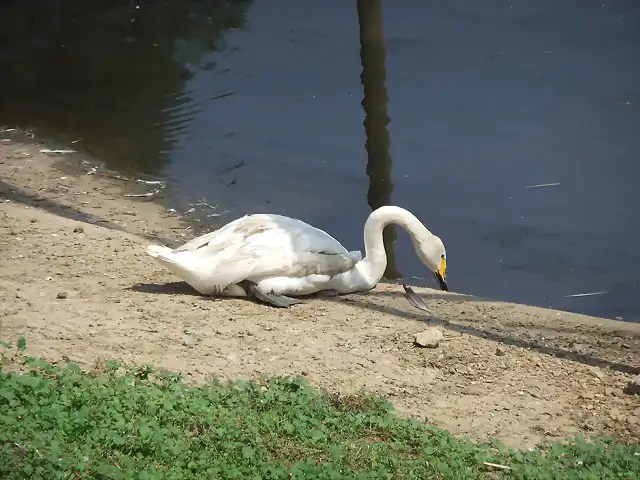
x,y
141,423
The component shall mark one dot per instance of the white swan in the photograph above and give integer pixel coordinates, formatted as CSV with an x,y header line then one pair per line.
x,y
272,256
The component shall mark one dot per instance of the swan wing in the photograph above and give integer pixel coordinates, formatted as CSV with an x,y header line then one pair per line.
x,y
303,249
259,263
259,246
225,235
267,230
265,245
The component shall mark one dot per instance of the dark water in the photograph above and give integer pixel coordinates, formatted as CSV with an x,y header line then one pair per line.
x,y
325,109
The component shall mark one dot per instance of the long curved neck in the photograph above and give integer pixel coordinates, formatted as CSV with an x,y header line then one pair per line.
x,y
368,271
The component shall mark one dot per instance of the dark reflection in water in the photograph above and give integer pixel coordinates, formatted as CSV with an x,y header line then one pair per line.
x,y
257,107
111,72
374,75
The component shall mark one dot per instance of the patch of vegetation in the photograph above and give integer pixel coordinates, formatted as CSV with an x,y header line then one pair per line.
x,y
60,422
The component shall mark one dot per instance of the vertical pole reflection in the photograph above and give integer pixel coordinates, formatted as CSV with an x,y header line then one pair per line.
x,y
374,102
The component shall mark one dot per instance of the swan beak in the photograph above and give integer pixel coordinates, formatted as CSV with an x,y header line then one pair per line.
x,y
441,273
441,282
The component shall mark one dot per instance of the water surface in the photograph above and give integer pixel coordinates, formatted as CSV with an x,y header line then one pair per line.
x,y
323,110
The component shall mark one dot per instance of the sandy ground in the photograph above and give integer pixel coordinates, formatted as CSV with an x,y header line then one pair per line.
x,y
75,280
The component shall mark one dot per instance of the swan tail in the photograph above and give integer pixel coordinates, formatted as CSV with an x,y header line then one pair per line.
x,y
157,250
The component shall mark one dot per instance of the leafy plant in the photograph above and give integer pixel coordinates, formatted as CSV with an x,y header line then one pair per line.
x,y
141,423
5,347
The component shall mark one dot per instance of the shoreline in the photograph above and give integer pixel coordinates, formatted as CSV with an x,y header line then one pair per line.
x,y
188,222
516,372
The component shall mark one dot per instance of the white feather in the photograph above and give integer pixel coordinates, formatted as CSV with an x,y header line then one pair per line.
x,y
287,256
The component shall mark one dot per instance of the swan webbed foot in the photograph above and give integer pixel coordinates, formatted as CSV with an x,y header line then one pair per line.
x,y
414,299
280,301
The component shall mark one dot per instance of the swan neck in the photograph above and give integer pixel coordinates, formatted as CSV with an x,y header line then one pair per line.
x,y
375,255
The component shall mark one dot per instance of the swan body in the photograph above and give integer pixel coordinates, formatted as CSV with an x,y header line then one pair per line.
x,y
273,256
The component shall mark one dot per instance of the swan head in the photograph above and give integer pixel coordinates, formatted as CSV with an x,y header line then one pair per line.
x,y
432,253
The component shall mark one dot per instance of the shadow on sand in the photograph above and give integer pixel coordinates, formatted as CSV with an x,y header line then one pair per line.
x,y
360,301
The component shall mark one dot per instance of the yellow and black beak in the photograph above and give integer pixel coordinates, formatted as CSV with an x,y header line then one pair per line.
x,y
441,275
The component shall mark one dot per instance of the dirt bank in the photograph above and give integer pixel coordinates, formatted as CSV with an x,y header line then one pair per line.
x,y
84,290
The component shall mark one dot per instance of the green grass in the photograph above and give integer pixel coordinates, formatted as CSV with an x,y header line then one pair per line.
x,y
59,422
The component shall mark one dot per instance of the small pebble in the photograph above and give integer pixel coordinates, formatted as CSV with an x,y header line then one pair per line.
x,y
61,295
189,340
429,338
